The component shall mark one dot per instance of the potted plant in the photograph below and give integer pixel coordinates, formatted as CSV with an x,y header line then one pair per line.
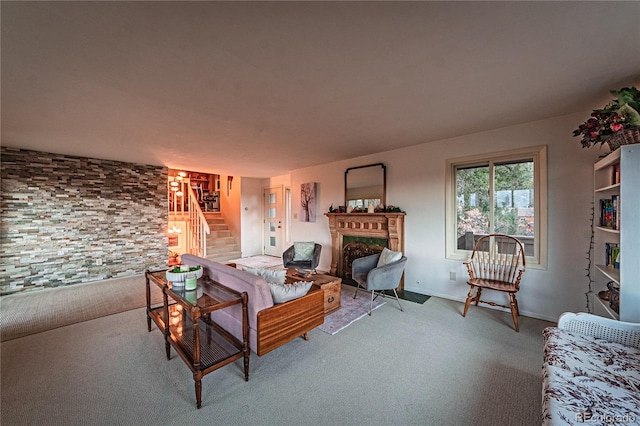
x,y
618,123
178,274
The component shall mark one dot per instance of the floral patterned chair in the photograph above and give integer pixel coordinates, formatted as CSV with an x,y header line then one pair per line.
x,y
591,371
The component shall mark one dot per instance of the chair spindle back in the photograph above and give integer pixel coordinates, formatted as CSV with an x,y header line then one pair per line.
x,y
498,257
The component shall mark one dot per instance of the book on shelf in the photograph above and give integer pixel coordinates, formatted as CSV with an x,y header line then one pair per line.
x,y
612,255
609,209
615,174
606,212
616,211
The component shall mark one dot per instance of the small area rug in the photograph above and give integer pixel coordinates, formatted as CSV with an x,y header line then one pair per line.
x,y
351,310
264,262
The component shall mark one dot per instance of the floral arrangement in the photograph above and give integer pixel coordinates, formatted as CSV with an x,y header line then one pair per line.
x,y
617,116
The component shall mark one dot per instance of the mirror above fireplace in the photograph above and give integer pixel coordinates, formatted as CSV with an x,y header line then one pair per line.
x,y
364,185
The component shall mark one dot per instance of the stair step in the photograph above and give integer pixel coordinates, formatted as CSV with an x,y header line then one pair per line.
x,y
221,242
216,221
222,250
224,257
218,227
218,234
228,245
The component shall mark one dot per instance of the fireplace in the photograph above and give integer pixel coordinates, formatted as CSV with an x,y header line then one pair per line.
x,y
356,235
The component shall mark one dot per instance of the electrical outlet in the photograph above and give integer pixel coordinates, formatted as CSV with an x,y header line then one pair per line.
x,y
99,262
452,276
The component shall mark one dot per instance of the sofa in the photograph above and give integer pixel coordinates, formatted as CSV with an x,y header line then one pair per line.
x,y
270,325
591,371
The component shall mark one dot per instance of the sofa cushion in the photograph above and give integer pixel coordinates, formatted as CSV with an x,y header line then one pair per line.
x,y
303,251
594,358
270,275
589,380
284,292
571,399
388,256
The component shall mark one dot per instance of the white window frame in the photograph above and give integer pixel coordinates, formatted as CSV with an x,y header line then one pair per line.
x,y
539,155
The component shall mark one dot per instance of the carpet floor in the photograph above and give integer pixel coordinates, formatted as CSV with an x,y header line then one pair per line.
x,y
35,312
425,366
23,314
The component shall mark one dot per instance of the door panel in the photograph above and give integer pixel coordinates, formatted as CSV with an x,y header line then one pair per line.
x,y
273,221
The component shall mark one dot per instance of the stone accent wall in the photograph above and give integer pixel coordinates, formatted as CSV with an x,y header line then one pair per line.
x,y
68,220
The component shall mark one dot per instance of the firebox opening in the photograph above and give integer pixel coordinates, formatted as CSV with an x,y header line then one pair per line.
x,y
355,247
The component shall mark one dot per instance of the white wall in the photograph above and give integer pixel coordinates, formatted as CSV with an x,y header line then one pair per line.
x,y
230,203
251,215
416,183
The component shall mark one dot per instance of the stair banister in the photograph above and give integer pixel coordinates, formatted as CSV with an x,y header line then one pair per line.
x,y
198,226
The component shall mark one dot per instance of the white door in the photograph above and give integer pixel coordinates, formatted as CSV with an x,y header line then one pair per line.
x,y
273,221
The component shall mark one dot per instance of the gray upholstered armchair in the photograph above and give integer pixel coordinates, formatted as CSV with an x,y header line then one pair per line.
x,y
289,256
373,278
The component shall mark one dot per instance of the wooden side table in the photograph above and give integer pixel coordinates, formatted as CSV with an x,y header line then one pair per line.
x,y
202,344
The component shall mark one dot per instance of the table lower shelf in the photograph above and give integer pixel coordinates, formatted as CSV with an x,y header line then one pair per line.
x,y
216,347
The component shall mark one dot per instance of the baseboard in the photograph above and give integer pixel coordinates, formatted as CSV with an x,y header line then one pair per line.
x,y
497,308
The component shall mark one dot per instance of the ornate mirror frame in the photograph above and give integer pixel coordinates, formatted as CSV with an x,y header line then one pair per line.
x,y
368,181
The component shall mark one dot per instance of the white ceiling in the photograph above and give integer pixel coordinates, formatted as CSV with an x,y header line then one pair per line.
x,y
259,89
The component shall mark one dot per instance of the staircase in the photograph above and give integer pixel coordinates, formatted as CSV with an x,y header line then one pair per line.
x,y
221,246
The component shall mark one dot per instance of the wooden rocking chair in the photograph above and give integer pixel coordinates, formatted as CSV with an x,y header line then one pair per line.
x,y
497,263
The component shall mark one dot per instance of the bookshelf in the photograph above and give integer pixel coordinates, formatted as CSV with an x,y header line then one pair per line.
x,y
617,230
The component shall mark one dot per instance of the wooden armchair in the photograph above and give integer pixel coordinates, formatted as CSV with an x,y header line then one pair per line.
x,y
497,263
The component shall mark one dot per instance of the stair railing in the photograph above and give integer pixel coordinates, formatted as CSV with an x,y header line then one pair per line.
x,y
198,228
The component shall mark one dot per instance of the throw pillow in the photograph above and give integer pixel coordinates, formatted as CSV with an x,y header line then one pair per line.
x,y
270,275
388,256
303,251
284,292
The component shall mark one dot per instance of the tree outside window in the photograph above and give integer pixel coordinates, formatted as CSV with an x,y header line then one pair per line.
x,y
496,194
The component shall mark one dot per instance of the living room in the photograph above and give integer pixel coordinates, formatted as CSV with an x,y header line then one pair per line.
x,y
416,167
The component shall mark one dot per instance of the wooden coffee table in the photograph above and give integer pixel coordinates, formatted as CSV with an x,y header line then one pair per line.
x,y
330,284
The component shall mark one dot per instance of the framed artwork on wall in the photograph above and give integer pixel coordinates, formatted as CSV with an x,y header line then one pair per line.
x,y
308,202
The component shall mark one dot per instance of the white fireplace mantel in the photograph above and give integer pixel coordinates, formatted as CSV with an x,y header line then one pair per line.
x,y
389,226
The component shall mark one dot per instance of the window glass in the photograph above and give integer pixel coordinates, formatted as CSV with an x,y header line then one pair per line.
x,y
472,195
501,193
514,201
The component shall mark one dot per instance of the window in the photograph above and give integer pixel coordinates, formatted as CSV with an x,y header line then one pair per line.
x,y
502,193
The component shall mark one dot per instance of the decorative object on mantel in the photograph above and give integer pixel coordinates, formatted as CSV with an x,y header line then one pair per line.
x,y
378,209
618,123
180,273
